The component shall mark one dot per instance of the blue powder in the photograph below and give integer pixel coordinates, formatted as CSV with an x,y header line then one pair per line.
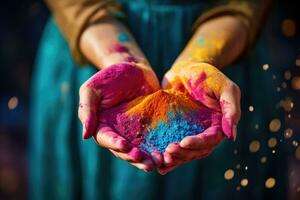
x,y
201,40
122,37
164,133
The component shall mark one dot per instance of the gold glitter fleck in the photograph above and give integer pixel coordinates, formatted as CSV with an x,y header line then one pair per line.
x,y
238,166
272,142
270,182
254,146
256,126
238,188
229,174
275,125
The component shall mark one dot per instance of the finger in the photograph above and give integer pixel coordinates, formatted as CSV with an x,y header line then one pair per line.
x,y
157,158
164,171
87,111
169,160
132,156
147,165
109,139
207,139
143,163
231,111
186,154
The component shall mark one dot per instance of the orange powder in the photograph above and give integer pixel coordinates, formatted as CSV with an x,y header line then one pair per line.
x,y
156,106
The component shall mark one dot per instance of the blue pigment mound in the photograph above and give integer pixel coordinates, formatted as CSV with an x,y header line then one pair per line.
x,y
176,128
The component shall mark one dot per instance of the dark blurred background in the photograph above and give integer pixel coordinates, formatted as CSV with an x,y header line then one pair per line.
x,y
21,27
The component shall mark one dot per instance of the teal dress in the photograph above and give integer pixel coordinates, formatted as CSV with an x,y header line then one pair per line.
x,y
63,166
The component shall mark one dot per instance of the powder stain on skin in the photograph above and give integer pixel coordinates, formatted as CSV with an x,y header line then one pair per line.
x,y
154,121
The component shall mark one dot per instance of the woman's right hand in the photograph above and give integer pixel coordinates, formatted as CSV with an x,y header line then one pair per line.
x,y
106,89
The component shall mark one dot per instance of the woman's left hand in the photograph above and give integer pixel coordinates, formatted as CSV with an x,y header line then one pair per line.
x,y
211,88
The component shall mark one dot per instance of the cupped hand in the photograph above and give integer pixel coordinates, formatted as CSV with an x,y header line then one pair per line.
x,y
106,89
211,88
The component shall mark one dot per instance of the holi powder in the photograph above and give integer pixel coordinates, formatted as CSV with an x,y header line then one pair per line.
x,y
154,121
119,48
123,37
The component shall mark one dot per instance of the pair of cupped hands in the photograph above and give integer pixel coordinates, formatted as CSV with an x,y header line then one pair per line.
x,y
125,81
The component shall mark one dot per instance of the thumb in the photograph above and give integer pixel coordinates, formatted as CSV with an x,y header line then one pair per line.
x,y
87,111
231,111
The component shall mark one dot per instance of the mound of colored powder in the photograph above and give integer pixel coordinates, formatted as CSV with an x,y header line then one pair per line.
x,y
154,121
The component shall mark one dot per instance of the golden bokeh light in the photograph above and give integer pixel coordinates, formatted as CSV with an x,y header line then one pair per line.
x,y
251,108
298,62
229,174
287,104
244,182
270,183
297,153
288,133
288,27
12,103
272,142
265,67
254,146
275,125
295,143
296,83
263,159
287,75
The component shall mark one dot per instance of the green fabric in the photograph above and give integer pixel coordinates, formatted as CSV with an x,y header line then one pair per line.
x,y
63,166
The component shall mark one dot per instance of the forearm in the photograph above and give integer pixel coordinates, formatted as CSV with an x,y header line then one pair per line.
x,y
110,42
218,42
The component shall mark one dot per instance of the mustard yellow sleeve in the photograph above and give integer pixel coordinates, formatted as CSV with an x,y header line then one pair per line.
x,y
73,16
251,12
